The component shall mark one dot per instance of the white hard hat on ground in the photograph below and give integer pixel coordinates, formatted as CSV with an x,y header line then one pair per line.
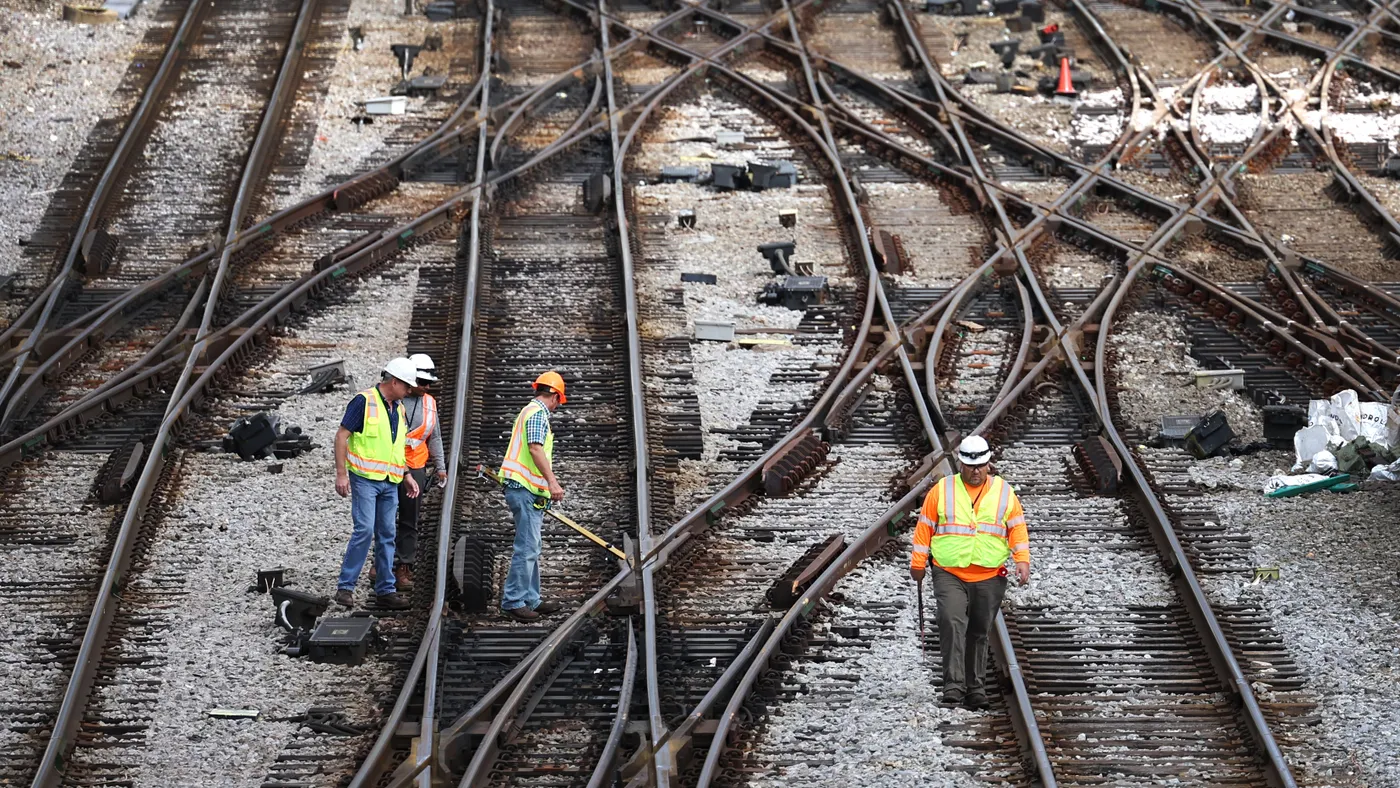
x,y
425,367
402,369
974,451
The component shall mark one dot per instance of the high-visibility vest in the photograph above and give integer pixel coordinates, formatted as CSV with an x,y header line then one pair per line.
x,y
372,452
963,537
415,450
519,465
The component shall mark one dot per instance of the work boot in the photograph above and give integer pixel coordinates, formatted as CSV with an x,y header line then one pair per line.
x,y
976,701
344,598
545,608
403,578
522,614
952,697
392,601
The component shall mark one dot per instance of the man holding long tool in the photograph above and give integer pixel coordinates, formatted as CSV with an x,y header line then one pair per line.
x,y
970,524
528,471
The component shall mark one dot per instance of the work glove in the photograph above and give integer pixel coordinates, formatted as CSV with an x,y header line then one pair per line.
x,y
917,574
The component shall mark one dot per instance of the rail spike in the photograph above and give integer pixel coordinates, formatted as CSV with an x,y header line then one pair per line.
x,y
793,463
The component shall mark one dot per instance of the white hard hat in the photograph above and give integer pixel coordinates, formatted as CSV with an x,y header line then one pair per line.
x,y
974,451
425,366
402,369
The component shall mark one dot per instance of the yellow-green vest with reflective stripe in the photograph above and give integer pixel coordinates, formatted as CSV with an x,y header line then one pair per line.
x,y
971,538
519,464
372,452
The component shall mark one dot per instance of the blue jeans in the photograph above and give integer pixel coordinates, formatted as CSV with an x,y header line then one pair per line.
x,y
373,507
523,581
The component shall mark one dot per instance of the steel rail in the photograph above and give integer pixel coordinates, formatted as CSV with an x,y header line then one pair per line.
x,y
504,719
263,146
68,716
883,530
426,660
345,196
1221,652
132,139
542,654
372,250
641,454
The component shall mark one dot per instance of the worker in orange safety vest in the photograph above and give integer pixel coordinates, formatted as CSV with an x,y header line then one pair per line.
x,y
970,524
423,443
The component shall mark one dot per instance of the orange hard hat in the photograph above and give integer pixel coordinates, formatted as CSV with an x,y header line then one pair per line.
x,y
555,382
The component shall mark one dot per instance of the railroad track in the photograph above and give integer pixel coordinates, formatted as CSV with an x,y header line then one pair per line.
x,y
520,703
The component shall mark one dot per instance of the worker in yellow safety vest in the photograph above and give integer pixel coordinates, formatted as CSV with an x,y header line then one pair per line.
x,y
970,524
528,473
369,464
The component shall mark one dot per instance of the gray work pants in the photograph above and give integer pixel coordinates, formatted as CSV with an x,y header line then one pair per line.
x,y
406,545
965,615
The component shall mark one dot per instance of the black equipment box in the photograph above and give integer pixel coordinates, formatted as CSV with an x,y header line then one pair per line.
x,y
728,176
1209,435
252,436
297,609
1174,429
676,173
1281,422
342,641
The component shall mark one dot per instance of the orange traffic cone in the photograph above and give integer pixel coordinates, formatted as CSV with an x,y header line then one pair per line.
x,y
1066,84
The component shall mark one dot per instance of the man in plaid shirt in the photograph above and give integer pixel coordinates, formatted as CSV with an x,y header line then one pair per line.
x,y
528,473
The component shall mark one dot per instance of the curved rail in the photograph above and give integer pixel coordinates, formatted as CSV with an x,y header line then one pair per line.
x,y
132,139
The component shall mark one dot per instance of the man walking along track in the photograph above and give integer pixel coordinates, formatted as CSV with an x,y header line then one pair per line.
x,y
530,485
423,442
369,464
971,522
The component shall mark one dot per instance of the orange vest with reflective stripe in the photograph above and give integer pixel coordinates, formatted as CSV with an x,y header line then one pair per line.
x,y
415,450
372,452
519,465
964,537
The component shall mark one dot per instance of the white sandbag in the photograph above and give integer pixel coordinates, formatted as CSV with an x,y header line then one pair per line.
x,y
1346,410
1319,410
1386,473
1279,482
1307,442
1374,419
1323,462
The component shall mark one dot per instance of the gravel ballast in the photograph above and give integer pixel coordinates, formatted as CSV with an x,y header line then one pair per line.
x,y
1155,375
868,715
234,518
62,87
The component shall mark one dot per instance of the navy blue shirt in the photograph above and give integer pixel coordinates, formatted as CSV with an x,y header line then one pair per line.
x,y
354,418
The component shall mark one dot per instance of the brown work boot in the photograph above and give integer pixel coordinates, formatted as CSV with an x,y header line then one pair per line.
x,y
372,573
344,598
522,614
392,601
403,578
545,608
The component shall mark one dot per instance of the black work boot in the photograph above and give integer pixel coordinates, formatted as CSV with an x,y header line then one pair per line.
x,y
976,700
952,696
344,598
